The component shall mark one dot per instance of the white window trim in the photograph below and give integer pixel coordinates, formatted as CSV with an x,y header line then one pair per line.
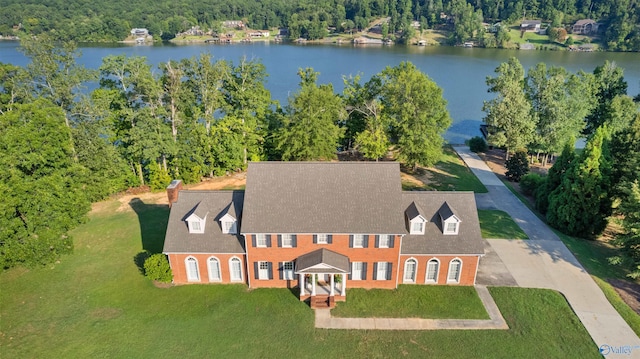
x,y
353,277
288,274
415,271
211,279
322,238
426,273
445,224
457,280
261,238
289,238
263,273
415,222
358,236
388,237
196,222
229,227
232,279
384,274
190,277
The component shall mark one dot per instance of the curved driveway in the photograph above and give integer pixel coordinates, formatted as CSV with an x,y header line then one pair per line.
x,y
545,262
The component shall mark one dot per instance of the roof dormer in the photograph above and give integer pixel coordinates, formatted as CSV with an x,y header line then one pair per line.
x,y
228,222
415,219
197,219
449,220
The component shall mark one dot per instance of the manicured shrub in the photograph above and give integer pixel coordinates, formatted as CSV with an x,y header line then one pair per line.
x,y
517,166
477,144
530,182
156,267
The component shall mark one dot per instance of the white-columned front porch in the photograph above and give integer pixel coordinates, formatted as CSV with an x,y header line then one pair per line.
x,y
316,284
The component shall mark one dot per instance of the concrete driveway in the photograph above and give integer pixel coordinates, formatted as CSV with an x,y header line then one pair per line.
x,y
545,262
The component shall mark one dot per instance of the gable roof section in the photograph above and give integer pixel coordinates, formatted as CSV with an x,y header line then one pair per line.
x,y
322,261
468,241
414,211
216,203
323,197
447,212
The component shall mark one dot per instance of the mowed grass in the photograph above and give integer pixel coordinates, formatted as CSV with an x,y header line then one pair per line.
x,y
499,225
449,174
95,303
412,301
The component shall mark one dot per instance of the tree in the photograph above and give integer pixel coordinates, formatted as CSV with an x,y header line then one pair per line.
x,y
581,204
366,123
609,83
41,198
418,113
248,100
563,163
559,103
310,127
625,147
629,240
508,117
517,166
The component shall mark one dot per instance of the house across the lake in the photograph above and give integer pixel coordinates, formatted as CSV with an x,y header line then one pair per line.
x,y
323,227
530,25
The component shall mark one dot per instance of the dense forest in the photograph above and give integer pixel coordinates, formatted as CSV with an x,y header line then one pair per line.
x,y
64,148
112,20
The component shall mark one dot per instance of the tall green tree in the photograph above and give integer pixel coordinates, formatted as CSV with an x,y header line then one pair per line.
x,y
609,83
41,198
310,127
553,180
508,118
418,113
581,204
247,100
559,103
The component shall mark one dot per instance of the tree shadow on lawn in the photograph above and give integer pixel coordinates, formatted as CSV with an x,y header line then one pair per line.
x,y
153,220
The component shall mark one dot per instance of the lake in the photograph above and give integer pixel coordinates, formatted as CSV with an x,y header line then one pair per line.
x,y
461,72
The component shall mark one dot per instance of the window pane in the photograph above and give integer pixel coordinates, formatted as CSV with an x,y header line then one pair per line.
x,y
410,270
454,270
432,271
236,269
214,269
358,240
384,241
192,270
287,270
382,271
261,240
322,239
286,240
195,226
451,227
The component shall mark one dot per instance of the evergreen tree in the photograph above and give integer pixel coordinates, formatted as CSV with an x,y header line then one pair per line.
x,y
581,204
553,180
517,166
609,82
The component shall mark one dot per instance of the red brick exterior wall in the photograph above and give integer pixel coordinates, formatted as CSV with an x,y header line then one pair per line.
x,y
467,274
179,268
340,244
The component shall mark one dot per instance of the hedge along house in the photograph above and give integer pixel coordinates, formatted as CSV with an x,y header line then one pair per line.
x,y
322,227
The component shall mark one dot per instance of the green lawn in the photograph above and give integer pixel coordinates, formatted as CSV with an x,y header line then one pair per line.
x,y
413,301
451,174
95,303
499,224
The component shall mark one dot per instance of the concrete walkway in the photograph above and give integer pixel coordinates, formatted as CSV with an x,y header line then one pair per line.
x,y
545,262
499,197
326,321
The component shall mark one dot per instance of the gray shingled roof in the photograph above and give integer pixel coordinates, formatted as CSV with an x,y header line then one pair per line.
x,y
447,212
322,256
216,203
467,241
323,197
414,211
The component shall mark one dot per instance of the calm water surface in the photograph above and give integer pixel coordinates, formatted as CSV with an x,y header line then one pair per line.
x,y
461,72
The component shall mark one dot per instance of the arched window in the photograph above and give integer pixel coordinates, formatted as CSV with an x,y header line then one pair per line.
x,y
433,267
410,267
214,269
455,267
193,275
235,267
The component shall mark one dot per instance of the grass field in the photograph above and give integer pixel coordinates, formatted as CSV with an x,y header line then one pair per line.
x,y
449,174
413,301
95,303
499,225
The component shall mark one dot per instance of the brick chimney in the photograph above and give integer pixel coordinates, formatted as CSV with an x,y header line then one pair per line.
x,y
172,191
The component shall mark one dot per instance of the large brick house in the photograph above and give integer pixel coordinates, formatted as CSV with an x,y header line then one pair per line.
x,y
323,227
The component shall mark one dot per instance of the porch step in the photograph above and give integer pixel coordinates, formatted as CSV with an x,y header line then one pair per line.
x,y
322,302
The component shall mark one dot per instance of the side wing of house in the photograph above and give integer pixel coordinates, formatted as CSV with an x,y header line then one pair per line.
x,y
202,242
